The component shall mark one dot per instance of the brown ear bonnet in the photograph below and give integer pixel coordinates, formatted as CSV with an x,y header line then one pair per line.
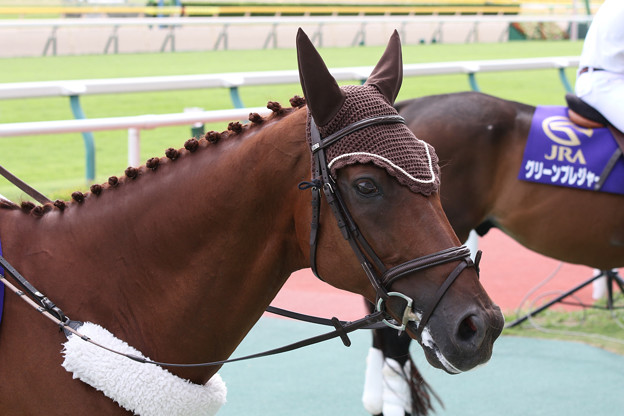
x,y
390,146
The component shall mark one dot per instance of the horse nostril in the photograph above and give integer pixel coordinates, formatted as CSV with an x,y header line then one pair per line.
x,y
470,329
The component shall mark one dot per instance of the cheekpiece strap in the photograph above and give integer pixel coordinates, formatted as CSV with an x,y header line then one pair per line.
x,y
346,224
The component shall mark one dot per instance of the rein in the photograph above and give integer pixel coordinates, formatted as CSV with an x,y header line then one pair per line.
x,y
380,277
23,186
47,308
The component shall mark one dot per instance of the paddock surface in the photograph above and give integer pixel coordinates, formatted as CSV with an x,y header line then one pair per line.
x,y
508,272
525,376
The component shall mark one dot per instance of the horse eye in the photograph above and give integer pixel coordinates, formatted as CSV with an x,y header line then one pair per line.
x,y
366,187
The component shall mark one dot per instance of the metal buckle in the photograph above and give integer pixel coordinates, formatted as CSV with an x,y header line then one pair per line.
x,y
408,313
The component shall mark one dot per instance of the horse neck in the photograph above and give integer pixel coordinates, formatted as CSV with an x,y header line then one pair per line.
x,y
201,244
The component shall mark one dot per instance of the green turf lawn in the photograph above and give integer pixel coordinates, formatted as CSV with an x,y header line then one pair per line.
x,y
55,163
596,326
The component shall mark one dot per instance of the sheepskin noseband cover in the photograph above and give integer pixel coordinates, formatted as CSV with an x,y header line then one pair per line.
x,y
390,146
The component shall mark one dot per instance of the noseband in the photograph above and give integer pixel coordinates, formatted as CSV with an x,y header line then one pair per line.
x,y
379,275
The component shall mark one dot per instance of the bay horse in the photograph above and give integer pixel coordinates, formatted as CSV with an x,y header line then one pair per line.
x,y
178,258
480,140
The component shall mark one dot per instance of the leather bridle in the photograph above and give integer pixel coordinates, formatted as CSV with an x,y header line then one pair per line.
x,y
379,275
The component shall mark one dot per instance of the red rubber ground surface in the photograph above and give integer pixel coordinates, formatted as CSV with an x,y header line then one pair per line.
x,y
508,272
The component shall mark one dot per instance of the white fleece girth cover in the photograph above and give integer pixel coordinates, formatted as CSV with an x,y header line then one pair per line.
x,y
145,389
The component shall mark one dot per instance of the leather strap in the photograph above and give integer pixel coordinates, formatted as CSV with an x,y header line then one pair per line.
x,y
440,294
358,125
39,197
46,304
435,259
71,327
341,332
314,319
617,135
615,156
346,224
1,288
587,69
606,171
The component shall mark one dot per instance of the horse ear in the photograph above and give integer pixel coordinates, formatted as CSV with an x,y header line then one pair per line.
x,y
388,74
323,95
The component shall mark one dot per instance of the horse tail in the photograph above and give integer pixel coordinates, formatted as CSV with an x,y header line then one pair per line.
x,y
421,392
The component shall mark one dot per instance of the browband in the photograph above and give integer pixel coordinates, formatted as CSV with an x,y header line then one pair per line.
x,y
358,125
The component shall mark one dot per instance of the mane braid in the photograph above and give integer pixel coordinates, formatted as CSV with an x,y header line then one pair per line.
x,y
132,172
6,204
61,205
37,211
96,189
27,206
234,128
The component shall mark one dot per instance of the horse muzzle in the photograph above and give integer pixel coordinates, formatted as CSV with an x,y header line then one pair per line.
x,y
460,342
460,336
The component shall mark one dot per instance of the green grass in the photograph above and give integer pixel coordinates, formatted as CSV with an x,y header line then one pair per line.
x,y
55,163
598,327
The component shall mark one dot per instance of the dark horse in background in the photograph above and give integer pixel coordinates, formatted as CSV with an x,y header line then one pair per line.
x,y
480,140
181,256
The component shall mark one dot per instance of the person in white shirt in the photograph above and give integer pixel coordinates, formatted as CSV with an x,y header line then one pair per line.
x,y
600,78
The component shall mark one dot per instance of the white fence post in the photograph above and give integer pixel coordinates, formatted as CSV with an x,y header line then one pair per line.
x,y
134,147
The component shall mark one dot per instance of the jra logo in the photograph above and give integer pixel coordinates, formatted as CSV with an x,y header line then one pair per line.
x,y
563,132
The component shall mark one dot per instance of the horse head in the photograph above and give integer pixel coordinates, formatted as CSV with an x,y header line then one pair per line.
x,y
382,184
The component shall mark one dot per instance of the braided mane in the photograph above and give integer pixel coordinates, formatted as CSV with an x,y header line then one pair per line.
x,y
234,129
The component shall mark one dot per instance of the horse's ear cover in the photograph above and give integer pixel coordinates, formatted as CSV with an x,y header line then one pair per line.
x,y
388,73
323,95
392,146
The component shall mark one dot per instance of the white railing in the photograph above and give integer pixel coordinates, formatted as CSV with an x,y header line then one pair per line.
x,y
76,88
70,88
141,122
134,125
273,22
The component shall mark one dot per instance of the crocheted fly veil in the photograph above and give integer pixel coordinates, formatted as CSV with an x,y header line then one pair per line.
x,y
390,146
